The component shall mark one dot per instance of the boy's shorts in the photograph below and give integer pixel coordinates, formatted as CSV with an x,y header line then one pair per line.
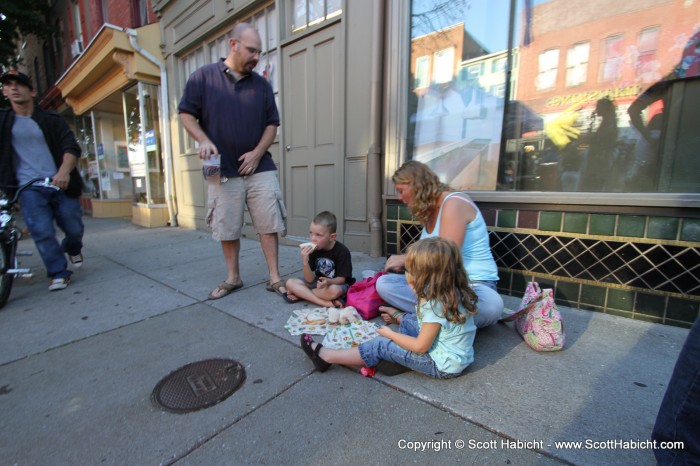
x,y
314,284
227,201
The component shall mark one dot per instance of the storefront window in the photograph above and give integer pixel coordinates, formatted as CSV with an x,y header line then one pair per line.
x,y
88,163
143,143
458,55
604,99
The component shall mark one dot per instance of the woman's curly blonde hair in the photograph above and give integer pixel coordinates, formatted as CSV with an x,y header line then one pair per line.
x,y
427,188
435,270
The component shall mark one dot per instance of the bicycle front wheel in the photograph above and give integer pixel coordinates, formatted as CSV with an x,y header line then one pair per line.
x,y
7,261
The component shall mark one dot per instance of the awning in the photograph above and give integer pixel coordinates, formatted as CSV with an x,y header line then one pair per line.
x,y
109,64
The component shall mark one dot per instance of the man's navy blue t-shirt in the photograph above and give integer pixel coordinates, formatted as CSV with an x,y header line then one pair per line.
x,y
232,113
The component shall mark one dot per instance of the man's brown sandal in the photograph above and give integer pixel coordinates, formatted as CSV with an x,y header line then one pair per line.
x,y
224,289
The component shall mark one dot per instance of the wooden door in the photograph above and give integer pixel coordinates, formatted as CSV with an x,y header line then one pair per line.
x,y
312,125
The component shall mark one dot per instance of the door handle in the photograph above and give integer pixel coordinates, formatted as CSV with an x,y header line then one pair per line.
x,y
288,147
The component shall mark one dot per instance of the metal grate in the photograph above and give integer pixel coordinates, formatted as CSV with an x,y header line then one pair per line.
x,y
409,232
659,267
198,385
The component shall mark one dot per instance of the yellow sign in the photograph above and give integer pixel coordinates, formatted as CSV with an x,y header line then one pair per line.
x,y
592,96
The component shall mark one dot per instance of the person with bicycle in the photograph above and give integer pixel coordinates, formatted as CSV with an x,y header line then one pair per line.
x,y
35,143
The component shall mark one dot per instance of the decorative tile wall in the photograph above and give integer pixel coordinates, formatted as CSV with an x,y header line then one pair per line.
x,y
641,267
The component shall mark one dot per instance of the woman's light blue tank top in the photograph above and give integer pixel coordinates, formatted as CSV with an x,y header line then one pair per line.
x,y
476,250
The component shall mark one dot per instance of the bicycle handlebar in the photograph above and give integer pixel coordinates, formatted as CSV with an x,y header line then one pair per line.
x,y
44,182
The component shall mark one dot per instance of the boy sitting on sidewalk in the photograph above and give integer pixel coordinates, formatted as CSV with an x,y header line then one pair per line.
x,y
327,266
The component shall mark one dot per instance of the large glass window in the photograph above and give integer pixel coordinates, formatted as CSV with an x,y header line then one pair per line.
x,y
307,13
605,100
88,163
455,120
143,143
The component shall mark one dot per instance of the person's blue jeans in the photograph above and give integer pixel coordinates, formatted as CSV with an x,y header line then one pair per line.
x,y
383,349
394,290
40,208
678,419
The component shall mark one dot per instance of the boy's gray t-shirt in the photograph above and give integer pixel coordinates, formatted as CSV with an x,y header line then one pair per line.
x,y
32,155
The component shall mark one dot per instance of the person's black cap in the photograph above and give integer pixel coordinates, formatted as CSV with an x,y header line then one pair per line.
x,y
14,75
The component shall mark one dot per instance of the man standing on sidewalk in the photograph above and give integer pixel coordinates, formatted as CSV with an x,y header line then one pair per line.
x,y
38,144
230,110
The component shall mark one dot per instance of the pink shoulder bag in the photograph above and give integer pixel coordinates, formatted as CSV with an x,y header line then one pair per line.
x,y
539,321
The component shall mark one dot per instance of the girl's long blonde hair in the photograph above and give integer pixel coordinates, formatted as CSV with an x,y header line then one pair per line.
x,y
427,188
435,270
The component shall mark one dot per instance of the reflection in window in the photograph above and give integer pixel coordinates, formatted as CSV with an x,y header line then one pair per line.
x,y
444,65
499,90
143,143
612,125
647,63
422,72
547,65
577,64
475,71
455,120
623,119
613,56
499,65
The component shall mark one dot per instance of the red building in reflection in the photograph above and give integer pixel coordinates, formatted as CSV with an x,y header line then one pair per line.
x,y
577,57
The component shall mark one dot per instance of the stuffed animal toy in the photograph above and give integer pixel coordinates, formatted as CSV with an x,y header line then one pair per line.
x,y
343,316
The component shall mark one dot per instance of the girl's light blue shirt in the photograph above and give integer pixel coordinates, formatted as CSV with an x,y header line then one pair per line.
x,y
453,348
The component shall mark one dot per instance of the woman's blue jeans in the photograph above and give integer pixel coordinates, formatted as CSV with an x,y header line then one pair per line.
x,y
40,208
383,349
394,290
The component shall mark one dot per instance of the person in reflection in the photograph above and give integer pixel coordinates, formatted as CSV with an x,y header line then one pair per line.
x,y
450,214
596,174
35,143
230,110
570,166
643,172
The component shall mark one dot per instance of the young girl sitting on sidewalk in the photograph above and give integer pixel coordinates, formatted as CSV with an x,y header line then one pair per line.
x,y
438,339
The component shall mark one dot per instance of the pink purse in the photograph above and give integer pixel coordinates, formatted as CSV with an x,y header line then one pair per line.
x,y
363,296
539,321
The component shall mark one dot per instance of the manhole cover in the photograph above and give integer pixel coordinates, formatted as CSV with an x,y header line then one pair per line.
x,y
198,385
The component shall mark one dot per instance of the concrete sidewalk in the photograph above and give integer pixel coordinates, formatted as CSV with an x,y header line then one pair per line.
x,y
77,368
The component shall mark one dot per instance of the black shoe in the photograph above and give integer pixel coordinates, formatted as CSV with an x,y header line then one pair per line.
x,y
320,364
